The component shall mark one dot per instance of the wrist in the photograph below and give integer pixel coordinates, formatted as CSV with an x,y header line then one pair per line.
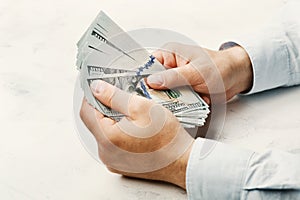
x,y
241,68
176,172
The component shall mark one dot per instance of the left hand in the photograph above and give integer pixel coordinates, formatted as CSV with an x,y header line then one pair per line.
x,y
146,128
200,68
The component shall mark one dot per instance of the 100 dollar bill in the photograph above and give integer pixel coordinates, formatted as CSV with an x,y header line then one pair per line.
x,y
177,100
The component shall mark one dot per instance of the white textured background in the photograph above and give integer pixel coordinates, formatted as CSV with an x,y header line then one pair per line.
x,y
41,156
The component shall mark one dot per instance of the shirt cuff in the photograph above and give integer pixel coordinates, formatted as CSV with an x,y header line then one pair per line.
x,y
269,57
216,170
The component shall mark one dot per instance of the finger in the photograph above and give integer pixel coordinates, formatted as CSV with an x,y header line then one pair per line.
x,y
206,98
175,77
172,55
166,58
158,54
110,95
117,99
94,120
176,54
87,114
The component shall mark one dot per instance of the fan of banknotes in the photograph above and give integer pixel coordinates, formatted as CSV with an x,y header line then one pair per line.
x,y
106,52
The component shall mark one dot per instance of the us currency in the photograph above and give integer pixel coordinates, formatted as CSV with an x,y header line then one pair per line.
x,y
106,52
172,99
105,41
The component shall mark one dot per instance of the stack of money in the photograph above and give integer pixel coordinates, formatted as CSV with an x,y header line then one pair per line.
x,y
106,52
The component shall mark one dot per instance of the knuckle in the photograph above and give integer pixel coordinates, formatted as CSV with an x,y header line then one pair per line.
x,y
113,95
135,109
139,105
108,138
113,138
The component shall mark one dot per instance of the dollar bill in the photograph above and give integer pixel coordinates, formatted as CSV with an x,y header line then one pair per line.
x,y
105,38
106,52
177,100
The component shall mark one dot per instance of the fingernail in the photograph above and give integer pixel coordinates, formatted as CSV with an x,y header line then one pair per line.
x,y
155,79
97,86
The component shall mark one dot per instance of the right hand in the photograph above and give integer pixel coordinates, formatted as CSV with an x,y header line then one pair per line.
x,y
148,143
189,64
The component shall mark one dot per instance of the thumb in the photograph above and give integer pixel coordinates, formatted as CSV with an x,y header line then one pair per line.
x,y
171,78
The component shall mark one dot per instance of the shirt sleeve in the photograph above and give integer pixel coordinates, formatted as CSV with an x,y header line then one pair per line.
x,y
225,172
274,51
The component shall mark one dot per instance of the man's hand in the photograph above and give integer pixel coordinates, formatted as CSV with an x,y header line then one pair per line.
x,y
191,63
148,129
150,136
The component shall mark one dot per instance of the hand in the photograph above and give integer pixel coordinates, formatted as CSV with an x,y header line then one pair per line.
x,y
191,65
146,128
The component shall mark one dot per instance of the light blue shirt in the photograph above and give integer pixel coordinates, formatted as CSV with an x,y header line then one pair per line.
x,y
229,173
